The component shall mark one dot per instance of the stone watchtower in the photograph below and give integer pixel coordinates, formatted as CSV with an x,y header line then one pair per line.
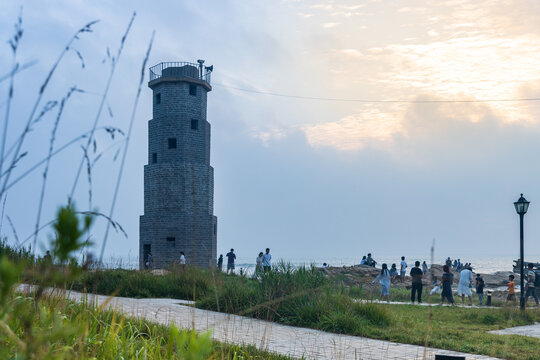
x,y
178,180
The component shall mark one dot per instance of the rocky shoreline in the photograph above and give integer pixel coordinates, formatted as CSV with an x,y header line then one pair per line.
x,y
357,275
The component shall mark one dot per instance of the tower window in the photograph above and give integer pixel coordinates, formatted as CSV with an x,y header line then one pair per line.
x,y
171,242
154,158
215,229
172,143
158,98
194,124
192,90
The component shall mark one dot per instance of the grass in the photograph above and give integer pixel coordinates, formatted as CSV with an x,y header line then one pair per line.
x,y
304,297
459,329
143,284
82,331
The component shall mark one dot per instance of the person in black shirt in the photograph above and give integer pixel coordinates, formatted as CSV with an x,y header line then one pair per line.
x,y
416,275
480,288
447,280
230,261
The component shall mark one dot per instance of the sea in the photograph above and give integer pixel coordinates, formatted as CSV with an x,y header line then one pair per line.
x,y
482,264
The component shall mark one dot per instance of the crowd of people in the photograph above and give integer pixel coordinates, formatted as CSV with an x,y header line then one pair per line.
x,y
466,281
263,262
388,276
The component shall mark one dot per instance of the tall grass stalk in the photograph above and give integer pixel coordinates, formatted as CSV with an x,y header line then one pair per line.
x,y
14,42
51,147
20,140
114,62
126,146
109,129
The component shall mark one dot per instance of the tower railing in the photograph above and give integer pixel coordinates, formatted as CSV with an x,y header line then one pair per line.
x,y
180,69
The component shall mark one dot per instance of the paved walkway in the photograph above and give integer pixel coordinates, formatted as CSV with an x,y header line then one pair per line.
x,y
282,339
527,330
457,304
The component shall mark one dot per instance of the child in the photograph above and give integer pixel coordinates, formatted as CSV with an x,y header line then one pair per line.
x,y
393,273
511,290
480,288
436,286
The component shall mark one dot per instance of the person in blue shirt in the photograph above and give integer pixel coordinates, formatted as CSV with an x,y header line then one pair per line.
x,y
267,261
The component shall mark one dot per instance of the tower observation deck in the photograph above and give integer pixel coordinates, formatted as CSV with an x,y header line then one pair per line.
x,y
178,179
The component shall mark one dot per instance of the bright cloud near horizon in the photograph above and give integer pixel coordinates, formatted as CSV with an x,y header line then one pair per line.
x,y
393,124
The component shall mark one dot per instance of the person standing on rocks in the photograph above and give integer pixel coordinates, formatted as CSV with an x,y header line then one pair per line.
x,y
464,285
424,268
384,279
449,262
231,256
447,281
403,269
416,275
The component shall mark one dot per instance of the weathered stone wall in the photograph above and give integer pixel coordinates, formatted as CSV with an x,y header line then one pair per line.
x,y
179,182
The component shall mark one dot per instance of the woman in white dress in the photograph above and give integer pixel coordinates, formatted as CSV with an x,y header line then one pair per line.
x,y
384,279
465,285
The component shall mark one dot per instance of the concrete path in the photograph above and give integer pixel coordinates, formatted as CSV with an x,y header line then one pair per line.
x,y
527,330
282,339
382,302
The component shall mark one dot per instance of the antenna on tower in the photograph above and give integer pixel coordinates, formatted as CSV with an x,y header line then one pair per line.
x,y
201,62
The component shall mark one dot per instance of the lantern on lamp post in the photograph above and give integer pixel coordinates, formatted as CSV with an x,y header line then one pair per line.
x,y
522,205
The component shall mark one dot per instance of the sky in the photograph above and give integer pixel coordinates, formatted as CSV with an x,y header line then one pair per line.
x,y
393,124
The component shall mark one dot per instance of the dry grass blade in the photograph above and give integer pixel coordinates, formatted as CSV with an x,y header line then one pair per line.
x,y
89,175
110,221
13,230
17,69
51,147
102,103
3,212
124,155
20,140
59,150
14,43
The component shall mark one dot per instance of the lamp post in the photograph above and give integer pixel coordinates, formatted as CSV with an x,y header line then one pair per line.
x,y
522,205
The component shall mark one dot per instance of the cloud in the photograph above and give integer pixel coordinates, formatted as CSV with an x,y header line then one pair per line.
x,y
354,132
266,136
326,7
349,52
331,24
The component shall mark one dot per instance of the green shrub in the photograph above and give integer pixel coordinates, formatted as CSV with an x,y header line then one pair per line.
x,y
489,319
341,322
375,314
